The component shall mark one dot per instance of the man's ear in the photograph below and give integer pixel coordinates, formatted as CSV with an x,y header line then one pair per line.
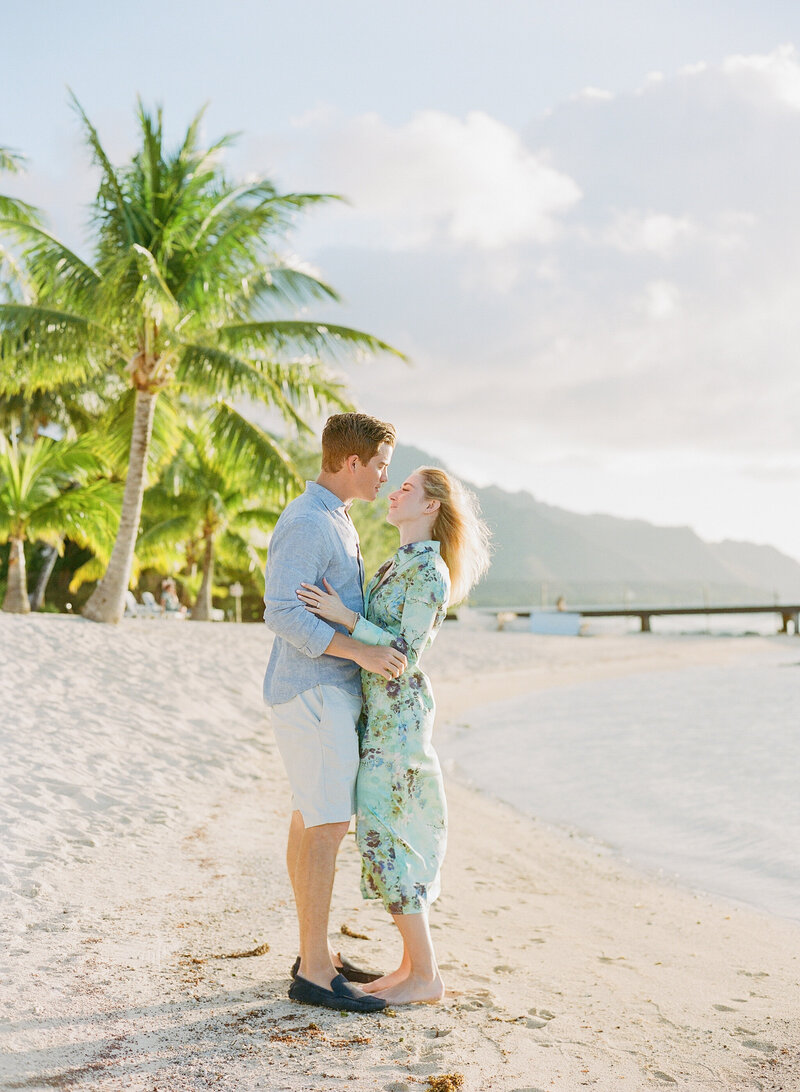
x,y
352,462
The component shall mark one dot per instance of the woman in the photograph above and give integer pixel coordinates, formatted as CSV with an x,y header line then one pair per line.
x,y
401,817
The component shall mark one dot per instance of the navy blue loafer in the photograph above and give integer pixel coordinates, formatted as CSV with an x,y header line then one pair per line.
x,y
349,970
341,995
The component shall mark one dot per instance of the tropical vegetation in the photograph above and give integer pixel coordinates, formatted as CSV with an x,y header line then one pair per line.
x,y
157,345
49,491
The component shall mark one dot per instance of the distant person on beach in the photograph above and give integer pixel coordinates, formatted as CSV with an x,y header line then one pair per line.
x,y
401,815
170,603
313,685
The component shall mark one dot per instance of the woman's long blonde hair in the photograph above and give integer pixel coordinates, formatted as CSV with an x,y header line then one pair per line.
x,y
462,535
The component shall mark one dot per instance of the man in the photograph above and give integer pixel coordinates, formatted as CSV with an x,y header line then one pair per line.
x,y
314,687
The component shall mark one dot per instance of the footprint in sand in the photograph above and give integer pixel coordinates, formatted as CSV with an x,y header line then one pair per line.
x,y
478,999
542,1014
724,1008
758,1044
536,1022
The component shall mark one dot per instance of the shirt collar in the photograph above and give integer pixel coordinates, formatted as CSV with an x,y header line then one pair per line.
x,y
330,500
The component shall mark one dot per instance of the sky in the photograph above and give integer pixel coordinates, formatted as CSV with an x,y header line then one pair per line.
x,y
579,220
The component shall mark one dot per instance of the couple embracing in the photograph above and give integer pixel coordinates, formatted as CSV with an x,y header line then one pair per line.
x,y
352,712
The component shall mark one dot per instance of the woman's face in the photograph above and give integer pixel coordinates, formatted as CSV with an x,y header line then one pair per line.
x,y
409,502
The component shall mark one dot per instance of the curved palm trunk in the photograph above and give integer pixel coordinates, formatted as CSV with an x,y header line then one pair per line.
x,y
16,600
201,611
46,571
107,601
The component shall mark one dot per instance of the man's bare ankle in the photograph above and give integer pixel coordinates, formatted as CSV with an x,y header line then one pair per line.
x,y
320,972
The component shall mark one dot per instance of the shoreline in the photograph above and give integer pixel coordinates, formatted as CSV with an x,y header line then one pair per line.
x,y
512,711
565,966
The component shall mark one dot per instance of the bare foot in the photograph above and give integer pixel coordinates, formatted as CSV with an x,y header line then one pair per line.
x,y
414,991
388,980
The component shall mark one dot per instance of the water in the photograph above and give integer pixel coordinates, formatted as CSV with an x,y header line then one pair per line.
x,y
691,772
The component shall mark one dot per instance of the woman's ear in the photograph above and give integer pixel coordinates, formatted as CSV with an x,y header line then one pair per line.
x,y
434,505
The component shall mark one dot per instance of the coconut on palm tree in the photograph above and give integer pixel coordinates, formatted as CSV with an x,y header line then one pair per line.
x,y
49,491
185,292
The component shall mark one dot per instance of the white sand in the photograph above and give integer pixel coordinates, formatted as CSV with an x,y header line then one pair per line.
x,y
142,822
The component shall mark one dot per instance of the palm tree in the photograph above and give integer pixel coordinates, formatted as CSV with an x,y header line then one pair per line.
x,y
181,296
46,493
210,499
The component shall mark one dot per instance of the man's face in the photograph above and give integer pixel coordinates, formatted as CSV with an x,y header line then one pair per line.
x,y
369,477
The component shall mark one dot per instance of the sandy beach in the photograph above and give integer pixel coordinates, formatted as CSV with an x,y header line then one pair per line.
x,y
143,810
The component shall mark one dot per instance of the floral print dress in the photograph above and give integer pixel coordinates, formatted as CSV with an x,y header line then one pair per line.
x,y
401,814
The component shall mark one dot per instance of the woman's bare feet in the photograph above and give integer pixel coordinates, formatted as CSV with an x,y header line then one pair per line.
x,y
388,980
414,990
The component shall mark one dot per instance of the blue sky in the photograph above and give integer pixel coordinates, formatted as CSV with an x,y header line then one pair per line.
x,y
577,218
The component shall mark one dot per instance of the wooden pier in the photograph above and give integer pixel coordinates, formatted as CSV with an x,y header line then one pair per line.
x,y
787,613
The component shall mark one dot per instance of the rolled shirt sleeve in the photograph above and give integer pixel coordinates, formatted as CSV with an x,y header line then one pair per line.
x,y
298,553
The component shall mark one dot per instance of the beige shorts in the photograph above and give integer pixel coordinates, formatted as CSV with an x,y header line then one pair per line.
x,y
317,739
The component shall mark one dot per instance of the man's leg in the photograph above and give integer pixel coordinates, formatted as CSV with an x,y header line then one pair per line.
x,y
296,831
315,865
316,736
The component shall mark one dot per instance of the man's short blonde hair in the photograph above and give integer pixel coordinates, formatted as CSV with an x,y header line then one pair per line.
x,y
353,434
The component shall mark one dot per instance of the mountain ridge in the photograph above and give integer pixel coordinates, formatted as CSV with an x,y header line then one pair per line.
x,y
542,551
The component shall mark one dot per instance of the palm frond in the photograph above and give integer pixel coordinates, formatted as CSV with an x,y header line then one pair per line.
x,y
235,552
54,269
264,456
283,284
89,515
42,348
296,335
13,207
11,161
256,519
209,370
156,300
110,185
91,570
167,533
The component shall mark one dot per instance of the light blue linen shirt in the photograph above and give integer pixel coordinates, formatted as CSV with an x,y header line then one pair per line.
x,y
314,538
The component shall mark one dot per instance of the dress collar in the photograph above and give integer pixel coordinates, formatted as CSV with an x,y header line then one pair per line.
x,y
399,560
407,554
415,548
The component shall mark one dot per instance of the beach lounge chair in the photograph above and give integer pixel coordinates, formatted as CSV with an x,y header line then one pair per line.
x,y
148,608
151,607
131,606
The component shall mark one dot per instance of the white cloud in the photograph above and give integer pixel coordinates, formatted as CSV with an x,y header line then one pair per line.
x,y
778,73
438,178
661,299
594,93
652,232
653,319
